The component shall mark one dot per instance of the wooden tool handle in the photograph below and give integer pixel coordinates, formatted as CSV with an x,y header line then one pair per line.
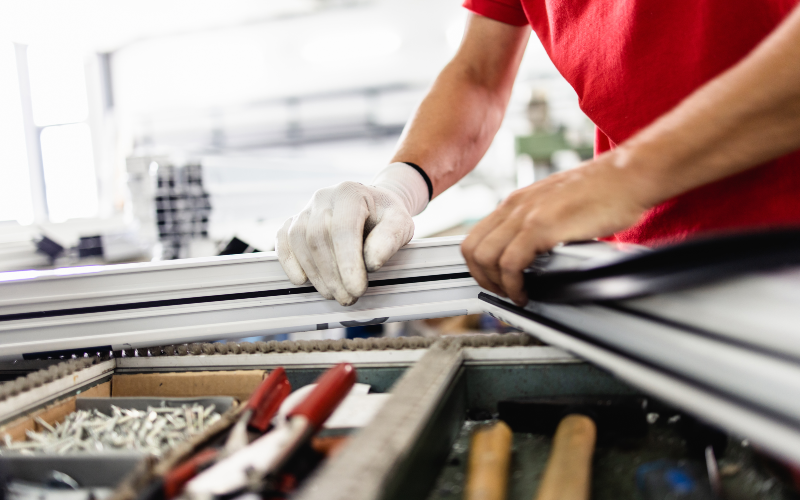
x,y
489,459
568,474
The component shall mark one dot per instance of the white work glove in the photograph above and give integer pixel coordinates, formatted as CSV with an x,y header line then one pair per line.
x,y
349,229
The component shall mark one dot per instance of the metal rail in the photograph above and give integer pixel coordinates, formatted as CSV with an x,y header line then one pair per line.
x,y
97,309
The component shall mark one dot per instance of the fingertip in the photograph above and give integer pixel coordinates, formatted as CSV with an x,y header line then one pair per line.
x,y
392,232
341,294
293,269
373,264
347,301
289,263
297,279
355,282
521,302
376,254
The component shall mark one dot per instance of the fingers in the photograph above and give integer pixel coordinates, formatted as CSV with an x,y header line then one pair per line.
x,y
287,259
517,256
395,229
487,254
299,246
321,248
480,267
325,242
498,257
347,234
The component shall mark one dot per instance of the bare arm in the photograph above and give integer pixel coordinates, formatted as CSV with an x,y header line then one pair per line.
x,y
350,229
456,122
744,117
747,115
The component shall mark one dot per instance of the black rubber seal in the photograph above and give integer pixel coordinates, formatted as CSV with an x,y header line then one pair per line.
x,y
424,176
665,269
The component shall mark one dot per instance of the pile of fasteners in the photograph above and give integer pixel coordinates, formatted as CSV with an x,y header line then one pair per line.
x,y
153,431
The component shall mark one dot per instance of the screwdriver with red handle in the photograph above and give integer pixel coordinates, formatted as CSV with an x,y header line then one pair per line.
x,y
257,415
270,452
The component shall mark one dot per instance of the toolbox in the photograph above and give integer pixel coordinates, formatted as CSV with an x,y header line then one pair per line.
x,y
416,446
722,354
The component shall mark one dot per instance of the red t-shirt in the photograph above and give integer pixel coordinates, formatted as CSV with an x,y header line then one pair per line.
x,y
630,61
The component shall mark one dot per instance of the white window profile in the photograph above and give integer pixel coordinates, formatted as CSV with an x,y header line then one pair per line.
x,y
55,111
69,172
15,192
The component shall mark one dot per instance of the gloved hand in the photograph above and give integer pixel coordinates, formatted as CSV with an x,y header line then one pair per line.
x,y
349,229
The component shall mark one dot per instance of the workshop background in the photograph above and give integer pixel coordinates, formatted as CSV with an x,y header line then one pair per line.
x,y
150,130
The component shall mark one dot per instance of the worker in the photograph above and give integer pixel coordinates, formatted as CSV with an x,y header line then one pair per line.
x,y
697,109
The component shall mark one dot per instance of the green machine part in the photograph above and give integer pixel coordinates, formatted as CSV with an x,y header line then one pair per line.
x,y
540,146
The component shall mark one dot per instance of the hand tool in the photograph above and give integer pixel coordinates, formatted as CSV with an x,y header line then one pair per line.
x,y
576,422
248,466
262,405
489,460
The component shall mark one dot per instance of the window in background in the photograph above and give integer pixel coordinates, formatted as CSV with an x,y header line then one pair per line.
x,y
60,109
58,85
15,192
69,172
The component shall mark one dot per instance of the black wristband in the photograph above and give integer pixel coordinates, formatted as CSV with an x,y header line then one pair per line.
x,y
424,176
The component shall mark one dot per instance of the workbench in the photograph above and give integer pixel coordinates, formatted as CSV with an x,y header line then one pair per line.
x,y
724,353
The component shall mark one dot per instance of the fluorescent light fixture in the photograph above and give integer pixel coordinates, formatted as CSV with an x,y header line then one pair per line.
x,y
352,46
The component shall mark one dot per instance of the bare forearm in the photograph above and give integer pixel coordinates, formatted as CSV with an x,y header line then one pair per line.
x,y
457,120
451,130
746,116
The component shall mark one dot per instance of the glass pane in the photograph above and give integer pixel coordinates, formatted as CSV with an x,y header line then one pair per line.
x,y
58,85
69,174
15,191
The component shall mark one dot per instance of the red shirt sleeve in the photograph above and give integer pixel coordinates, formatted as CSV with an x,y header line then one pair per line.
x,y
505,11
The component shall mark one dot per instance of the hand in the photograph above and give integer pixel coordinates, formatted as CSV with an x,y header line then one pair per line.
x,y
594,200
349,229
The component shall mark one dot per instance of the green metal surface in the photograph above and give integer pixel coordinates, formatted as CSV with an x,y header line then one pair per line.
x,y
541,146
488,384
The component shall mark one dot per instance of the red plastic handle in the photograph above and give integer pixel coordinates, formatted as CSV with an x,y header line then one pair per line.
x,y
331,389
177,478
267,399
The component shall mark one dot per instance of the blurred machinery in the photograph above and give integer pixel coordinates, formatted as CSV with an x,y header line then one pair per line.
x,y
170,203
182,208
547,141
